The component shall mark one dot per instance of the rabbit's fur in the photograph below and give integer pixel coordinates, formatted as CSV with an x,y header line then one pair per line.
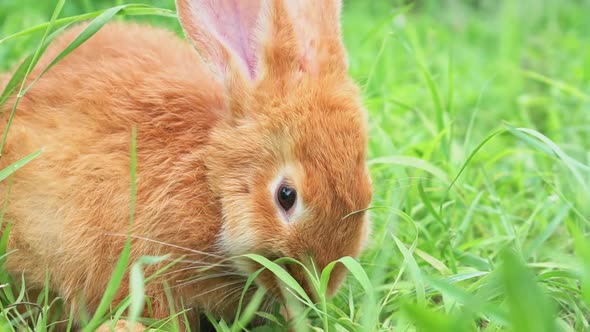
x,y
217,130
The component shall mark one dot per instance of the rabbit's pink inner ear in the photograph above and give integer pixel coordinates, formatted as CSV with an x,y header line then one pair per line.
x,y
317,27
306,21
227,24
308,62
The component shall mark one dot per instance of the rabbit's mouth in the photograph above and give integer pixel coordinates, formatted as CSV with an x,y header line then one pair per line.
x,y
277,294
276,288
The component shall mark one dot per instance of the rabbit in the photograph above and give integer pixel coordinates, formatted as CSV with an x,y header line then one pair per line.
x,y
251,138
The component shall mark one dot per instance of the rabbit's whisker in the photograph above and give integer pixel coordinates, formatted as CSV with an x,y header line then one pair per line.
x,y
205,265
189,282
224,285
232,273
209,263
195,251
234,294
177,271
267,304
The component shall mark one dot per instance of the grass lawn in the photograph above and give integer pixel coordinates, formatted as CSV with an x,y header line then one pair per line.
x,y
480,158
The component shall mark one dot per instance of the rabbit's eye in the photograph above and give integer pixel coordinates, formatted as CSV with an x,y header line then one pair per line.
x,y
286,197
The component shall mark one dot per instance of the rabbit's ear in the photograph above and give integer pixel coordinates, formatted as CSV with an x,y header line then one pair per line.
x,y
223,32
304,35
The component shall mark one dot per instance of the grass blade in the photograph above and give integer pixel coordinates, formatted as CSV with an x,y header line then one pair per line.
x,y
283,275
128,10
10,169
530,308
122,262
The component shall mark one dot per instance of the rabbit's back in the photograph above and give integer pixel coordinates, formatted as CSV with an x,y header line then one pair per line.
x,y
80,115
126,75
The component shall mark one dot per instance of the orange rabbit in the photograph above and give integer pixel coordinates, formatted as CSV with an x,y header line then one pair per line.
x,y
255,143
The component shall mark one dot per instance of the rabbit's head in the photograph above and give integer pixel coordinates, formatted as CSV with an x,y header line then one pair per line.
x,y
287,162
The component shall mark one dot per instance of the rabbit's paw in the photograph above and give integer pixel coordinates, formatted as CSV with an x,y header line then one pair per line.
x,y
121,326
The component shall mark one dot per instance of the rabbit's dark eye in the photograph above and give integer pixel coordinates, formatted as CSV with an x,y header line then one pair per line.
x,y
286,197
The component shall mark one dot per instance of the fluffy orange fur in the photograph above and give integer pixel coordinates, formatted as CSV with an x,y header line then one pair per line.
x,y
210,144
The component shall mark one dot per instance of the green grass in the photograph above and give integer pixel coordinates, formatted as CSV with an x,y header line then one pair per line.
x,y
480,156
